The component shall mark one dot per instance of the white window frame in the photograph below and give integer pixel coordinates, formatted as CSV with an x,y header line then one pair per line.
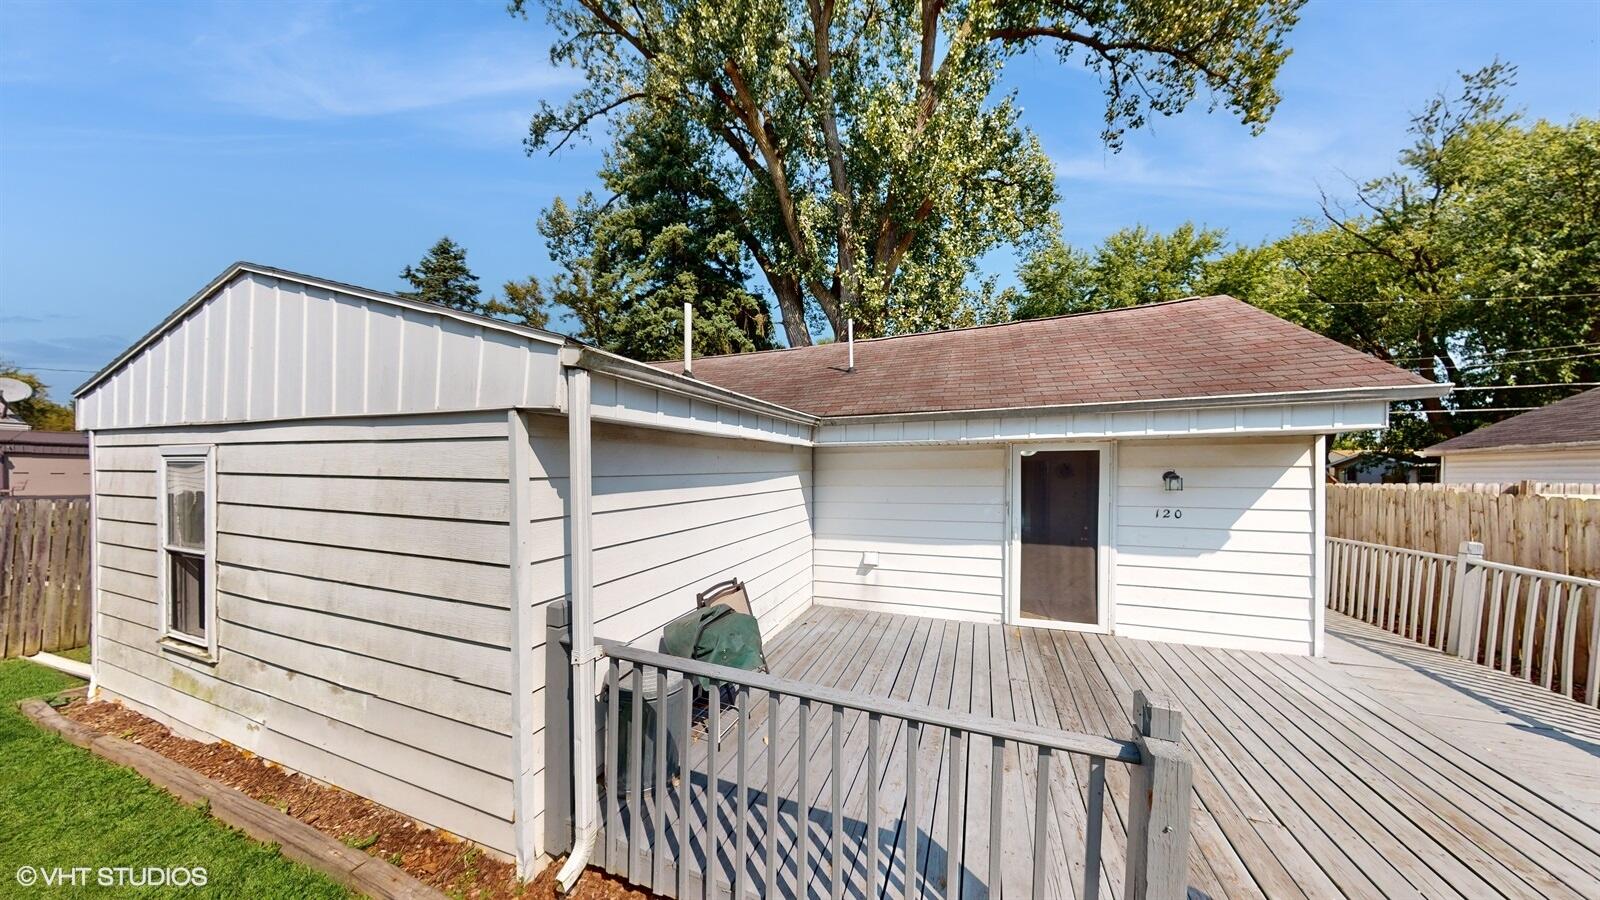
x,y
203,646
1105,550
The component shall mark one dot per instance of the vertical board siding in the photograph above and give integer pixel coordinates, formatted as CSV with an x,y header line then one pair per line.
x,y
1236,570
673,514
936,517
363,605
263,348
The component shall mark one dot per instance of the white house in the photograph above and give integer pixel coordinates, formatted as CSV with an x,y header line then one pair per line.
x,y
328,520
1559,443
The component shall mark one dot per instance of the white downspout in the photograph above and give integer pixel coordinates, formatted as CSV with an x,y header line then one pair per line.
x,y
580,544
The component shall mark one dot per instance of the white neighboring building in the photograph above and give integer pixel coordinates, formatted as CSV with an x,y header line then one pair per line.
x,y
1557,444
328,521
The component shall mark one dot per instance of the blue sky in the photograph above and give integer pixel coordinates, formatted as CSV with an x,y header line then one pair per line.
x,y
143,147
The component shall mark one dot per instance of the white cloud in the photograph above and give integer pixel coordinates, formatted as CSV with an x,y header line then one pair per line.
x,y
308,65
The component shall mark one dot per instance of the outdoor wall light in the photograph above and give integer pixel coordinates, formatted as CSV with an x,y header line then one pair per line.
x,y
1172,481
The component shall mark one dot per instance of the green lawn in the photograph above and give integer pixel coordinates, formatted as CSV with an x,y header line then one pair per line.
x,y
81,654
64,806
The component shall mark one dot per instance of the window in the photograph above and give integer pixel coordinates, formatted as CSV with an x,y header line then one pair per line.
x,y
186,542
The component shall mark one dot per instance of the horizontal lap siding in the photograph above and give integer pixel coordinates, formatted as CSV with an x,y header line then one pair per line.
x,y
936,516
363,606
1557,465
672,514
1236,569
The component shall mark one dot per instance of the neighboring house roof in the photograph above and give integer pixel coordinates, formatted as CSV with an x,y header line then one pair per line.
x,y
46,443
1202,347
1575,420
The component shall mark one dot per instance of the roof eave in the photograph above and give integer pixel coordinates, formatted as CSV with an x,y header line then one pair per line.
x,y
1441,450
596,360
1388,393
233,271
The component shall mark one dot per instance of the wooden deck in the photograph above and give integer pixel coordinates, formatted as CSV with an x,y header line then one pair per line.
x,y
1383,770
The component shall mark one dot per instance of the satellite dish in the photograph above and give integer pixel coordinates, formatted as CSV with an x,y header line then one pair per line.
x,y
15,390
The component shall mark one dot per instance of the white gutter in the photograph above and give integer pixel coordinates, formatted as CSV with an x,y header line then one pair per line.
x,y
1321,395
580,548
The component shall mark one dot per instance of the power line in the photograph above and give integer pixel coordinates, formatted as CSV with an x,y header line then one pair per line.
x,y
1504,352
1463,412
1524,387
49,369
1589,294
1525,362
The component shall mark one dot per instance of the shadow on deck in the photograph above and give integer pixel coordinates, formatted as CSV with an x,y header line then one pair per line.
x,y
1309,780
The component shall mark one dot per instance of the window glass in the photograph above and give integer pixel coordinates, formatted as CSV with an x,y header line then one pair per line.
x,y
186,504
186,576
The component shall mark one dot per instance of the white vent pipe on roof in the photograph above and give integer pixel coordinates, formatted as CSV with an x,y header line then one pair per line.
x,y
688,339
850,338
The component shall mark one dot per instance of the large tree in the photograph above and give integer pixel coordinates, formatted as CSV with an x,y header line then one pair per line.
x,y
442,277
861,147
1131,266
39,411
662,239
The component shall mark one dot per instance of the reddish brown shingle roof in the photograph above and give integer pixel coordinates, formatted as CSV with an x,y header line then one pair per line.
x,y
1575,420
1200,347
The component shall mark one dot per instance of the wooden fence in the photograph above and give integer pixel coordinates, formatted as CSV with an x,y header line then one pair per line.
x,y
44,574
1525,600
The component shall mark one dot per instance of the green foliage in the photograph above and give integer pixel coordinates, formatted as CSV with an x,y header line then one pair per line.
x,y
442,277
39,411
857,153
1132,266
63,806
524,303
663,239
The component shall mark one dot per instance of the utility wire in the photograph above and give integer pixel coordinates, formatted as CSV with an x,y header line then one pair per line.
x,y
1590,294
1525,387
1505,352
1524,362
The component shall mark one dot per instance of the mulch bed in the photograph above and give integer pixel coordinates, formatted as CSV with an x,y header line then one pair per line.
x,y
443,861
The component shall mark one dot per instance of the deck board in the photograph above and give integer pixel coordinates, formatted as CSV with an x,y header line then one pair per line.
x,y
1383,769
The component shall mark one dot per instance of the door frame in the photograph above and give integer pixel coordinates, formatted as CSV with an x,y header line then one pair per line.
x,y
1105,565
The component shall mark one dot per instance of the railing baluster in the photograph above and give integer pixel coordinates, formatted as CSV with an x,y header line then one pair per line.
x,y
685,790
1403,607
802,822
1530,620
1591,693
742,802
1041,820
955,828
1096,825
1552,618
658,814
1431,614
636,873
836,814
1569,654
997,811
913,851
874,723
613,780
1508,639
1493,617
772,794
713,793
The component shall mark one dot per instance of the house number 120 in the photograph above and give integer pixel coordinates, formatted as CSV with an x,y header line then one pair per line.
x,y
1169,513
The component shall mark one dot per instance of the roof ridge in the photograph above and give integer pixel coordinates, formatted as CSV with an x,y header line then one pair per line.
x,y
1014,322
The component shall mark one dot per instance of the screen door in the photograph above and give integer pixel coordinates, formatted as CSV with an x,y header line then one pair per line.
x,y
1061,536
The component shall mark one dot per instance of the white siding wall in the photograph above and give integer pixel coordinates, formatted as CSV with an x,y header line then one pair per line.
x,y
628,403
1236,569
362,606
267,348
935,516
1571,464
673,514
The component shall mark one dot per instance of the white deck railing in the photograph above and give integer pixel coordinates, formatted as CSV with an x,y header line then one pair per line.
x,y
693,817
1539,626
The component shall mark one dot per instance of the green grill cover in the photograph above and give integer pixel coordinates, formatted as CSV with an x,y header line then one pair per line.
x,y
716,634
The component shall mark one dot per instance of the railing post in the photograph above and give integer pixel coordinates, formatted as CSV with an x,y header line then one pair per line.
x,y
557,730
1159,800
1466,604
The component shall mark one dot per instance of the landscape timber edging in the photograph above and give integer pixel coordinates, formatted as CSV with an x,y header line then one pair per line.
x,y
296,840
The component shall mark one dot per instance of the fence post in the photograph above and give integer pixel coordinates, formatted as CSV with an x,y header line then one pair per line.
x,y
1160,793
1466,606
557,730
